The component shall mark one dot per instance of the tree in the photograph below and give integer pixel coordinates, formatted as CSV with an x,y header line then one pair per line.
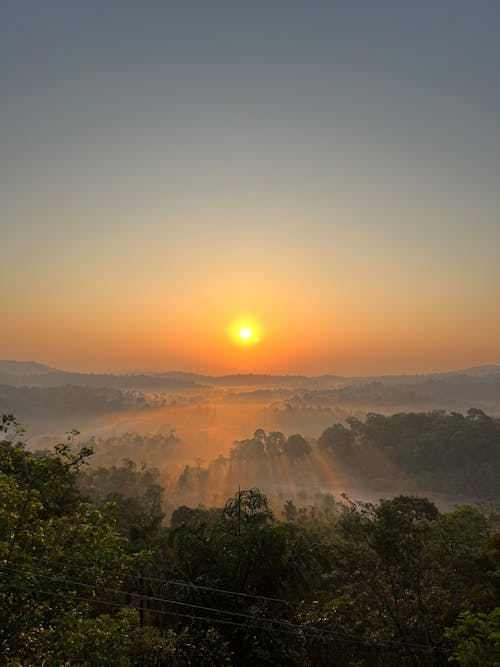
x,y
251,449
296,447
247,506
338,441
274,443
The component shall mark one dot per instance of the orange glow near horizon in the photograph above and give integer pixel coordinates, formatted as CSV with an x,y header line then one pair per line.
x,y
287,335
296,327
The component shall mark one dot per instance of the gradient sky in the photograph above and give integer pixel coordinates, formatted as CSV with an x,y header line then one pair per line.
x,y
329,169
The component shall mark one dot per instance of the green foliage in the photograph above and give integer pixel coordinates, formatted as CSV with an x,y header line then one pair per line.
x,y
111,641
48,540
245,550
476,639
248,506
411,567
54,473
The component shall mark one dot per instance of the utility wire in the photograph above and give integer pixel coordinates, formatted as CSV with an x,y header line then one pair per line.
x,y
293,626
70,597
72,582
96,600
174,582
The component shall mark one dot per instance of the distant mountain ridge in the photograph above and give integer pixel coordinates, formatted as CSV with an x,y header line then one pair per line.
x,y
31,373
11,367
487,369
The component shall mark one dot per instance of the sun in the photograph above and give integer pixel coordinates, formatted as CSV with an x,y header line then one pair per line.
x,y
245,331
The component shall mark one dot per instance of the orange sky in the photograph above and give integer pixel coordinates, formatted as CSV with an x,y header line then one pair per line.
x,y
303,329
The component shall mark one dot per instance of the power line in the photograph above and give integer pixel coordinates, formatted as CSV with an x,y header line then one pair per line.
x,y
342,636
156,599
70,596
96,600
173,582
219,590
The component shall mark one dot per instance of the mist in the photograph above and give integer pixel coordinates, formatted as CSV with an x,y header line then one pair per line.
x,y
191,428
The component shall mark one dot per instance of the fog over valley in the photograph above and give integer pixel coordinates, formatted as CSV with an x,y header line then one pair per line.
x,y
198,431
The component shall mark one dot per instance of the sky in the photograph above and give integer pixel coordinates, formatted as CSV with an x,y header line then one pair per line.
x,y
325,171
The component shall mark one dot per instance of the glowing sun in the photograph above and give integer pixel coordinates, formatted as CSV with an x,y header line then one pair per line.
x,y
245,331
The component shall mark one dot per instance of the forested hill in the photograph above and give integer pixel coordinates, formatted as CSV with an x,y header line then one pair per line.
x,y
449,453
